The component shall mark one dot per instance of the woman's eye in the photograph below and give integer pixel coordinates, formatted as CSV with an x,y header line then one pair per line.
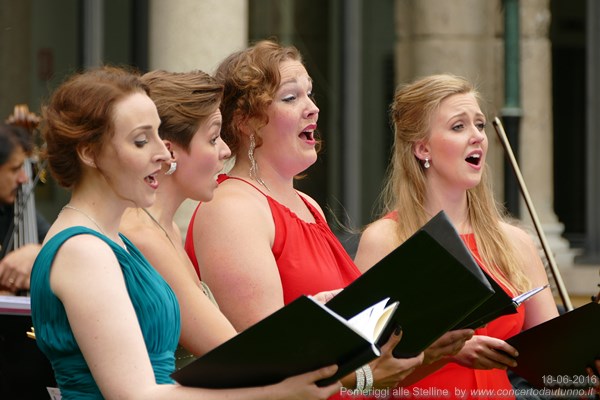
x,y
141,143
481,126
457,127
289,98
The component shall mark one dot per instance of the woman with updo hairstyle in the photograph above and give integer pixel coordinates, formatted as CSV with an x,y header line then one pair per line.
x,y
104,317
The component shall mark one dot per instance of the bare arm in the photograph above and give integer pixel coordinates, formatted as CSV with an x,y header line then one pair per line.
x,y
233,235
542,306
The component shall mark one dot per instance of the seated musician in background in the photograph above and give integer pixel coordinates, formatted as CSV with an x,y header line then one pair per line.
x,y
24,371
15,264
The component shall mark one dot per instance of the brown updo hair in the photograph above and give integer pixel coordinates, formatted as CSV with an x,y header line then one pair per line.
x,y
80,114
250,78
184,100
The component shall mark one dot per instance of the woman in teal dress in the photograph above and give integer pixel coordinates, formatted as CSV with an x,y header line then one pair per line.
x,y
103,316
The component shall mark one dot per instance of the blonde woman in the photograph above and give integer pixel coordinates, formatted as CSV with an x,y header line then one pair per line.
x,y
438,163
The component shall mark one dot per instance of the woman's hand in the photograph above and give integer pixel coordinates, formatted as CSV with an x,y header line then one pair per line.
x,y
15,267
485,352
389,370
301,387
448,345
324,297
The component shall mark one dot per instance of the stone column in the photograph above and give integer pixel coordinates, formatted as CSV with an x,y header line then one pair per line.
x,y
460,37
190,34
536,126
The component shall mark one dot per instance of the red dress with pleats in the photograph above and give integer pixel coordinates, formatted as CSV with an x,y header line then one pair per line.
x,y
454,381
309,257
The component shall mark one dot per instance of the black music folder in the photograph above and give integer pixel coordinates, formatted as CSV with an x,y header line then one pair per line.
x,y
434,277
499,304
300,337
555,354
25,372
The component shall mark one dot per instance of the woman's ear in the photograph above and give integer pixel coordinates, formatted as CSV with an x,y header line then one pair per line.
x,y
169,146
421,150
87,156
241,124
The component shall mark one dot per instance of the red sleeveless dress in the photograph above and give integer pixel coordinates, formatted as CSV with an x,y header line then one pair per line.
x,y
454,381
309,257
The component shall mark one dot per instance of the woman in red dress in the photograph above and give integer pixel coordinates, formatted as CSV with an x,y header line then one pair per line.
x,y
439,164
260,243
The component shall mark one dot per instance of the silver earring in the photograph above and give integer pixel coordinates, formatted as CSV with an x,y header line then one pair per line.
x,y
253,164
172,168
427,165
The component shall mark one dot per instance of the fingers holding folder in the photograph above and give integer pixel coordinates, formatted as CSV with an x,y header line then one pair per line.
x,y
389,370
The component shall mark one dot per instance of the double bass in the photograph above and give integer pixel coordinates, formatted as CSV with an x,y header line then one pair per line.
x,y
24,228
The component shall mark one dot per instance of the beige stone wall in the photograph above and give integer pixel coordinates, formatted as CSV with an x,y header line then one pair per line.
x,y
463,37
192,34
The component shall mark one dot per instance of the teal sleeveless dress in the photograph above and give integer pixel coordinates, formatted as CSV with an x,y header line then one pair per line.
x,y
155,304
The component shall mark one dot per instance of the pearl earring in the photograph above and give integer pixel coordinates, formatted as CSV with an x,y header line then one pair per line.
x,y
427,165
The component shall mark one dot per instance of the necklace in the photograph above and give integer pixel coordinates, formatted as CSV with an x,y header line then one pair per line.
x,y
160,226
260,181
87,216
94,221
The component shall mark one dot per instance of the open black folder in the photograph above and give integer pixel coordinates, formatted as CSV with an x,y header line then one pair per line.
x,y
555,354
300,337
434,277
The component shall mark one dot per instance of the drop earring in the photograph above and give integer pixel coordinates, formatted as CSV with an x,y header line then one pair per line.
x,y
172,168
253,163
426,164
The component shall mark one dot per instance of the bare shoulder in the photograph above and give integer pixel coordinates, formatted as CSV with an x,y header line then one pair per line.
x,y
140,230
377,240
519,237
234,201
73,267
81,246
528,251
312,201
137,227
383,229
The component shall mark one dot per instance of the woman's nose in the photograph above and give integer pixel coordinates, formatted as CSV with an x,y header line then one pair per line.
x,y
478,135
225,150
163,154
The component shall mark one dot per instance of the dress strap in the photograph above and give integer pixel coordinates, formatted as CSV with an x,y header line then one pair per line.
x,y
224,177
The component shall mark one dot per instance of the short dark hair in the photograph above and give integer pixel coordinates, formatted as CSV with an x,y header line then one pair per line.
x,y
11,137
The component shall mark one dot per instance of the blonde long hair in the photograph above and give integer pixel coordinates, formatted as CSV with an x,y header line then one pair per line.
x,y
405,189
